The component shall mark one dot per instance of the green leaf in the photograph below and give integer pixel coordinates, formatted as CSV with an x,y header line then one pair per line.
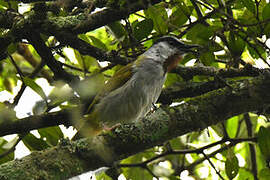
x,y
232,126
254,53
200,34
142,29
207,58
162,171
4,146
266,30
264,141
52,134
171,79
178,18
12,48
98,43
137,173
214,47
231,165
6,113
236,44
245,174
117,30
102,176
266,12
159,16
3,6
80,60
249,4
34,86
264,174
84,37
40,107
33,143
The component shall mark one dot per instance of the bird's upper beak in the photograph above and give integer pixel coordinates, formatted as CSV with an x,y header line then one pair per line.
x,y
191,48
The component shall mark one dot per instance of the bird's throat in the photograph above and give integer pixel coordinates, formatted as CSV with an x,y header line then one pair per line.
x,y
172,62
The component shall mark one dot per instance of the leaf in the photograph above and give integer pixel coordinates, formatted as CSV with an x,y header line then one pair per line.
x,y
33,143
264,174
6,113
214,46
98,43
137,173
84,37
12,48
236,44
264,142
3,149
85,62
266,12
232,126
200,34
249,4
266,30
117,30
142,29
34,86
178,17
171,79
102,176
207,58
254,53
244,174
162,171
231,165
52,134
3,6
40,107
159,16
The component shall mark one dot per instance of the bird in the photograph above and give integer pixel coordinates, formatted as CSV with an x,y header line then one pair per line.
x,y
131,92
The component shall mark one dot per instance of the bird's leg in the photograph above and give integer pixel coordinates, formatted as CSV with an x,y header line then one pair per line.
x,y
106,128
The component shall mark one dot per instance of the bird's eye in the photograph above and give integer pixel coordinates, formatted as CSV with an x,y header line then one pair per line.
x,y
171,43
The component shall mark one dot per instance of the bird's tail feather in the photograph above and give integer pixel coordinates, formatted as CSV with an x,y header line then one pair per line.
x,y
90,127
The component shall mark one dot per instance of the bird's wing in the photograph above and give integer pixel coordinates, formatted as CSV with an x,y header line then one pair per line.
x,y
118,80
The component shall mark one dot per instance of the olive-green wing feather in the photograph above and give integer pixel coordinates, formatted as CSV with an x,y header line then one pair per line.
x,y
118,80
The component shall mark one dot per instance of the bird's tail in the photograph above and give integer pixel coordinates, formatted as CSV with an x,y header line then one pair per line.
x,y
89,127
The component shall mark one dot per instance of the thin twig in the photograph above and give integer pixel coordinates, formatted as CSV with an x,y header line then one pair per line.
x,y
213,166
251,147
187,151
16,67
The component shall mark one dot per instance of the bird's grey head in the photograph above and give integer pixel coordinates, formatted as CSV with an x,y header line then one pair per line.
x,y
168,46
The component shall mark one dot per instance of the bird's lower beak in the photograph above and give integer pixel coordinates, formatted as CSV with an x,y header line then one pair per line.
x,y
192,48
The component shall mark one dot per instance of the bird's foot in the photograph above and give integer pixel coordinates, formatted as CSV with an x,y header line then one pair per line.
x,y
106,128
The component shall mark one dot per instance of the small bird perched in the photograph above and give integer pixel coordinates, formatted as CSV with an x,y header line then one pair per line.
x,y
131,92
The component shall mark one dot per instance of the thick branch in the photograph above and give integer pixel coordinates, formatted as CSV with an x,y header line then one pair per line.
x,y
35,122
51,62
87,49
160,126
188,72
82,22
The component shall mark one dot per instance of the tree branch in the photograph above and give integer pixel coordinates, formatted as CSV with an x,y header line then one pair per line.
x,y
35,122
51,62
87,49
